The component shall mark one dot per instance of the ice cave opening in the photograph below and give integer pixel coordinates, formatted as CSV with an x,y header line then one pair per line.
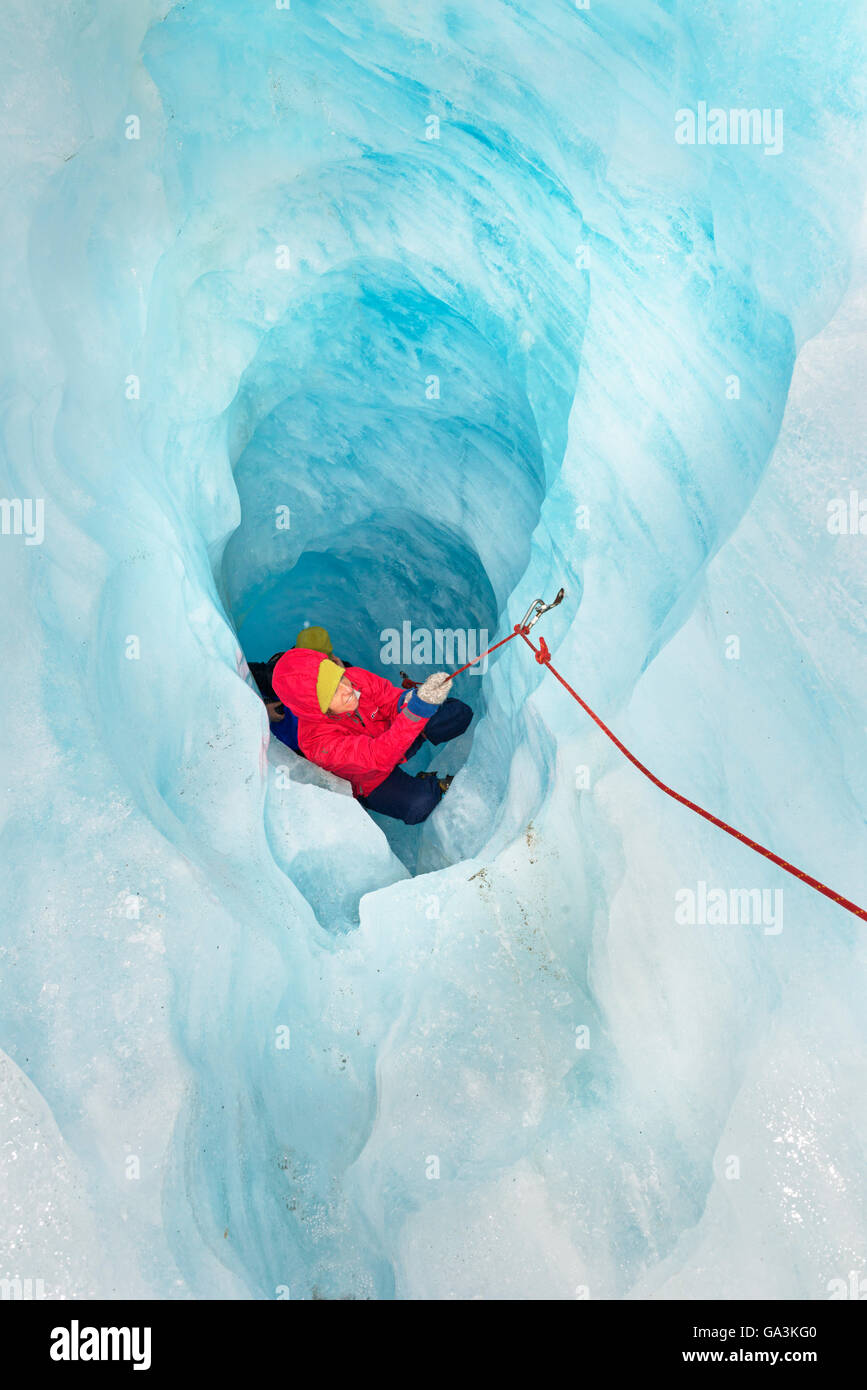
x,y
390,477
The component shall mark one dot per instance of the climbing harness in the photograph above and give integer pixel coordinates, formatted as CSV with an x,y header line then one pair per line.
x,y
543,656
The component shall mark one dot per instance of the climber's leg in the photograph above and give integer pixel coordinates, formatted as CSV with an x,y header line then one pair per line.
x,y
450,720
405,798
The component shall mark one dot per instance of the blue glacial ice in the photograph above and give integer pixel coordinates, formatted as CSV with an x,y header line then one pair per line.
x,y
441,284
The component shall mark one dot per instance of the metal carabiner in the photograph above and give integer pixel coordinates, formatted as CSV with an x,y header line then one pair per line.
x,y
537,608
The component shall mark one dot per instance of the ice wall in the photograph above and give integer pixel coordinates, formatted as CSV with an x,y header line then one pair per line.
x,y
254,1055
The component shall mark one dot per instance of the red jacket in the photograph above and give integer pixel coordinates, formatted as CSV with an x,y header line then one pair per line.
x,y
365,746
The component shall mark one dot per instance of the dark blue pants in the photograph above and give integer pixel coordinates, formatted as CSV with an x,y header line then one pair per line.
x,y
412,799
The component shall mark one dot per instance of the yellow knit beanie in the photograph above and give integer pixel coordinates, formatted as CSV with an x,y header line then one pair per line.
x,y
316,639
328,678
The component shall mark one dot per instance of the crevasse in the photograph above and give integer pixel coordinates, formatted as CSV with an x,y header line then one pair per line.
x,y
251,1045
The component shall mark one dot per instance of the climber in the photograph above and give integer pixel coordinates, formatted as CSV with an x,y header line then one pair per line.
x,y
359,726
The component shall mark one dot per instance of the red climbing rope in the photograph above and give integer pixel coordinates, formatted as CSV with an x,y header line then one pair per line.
x,y
409,684
518,629
543,656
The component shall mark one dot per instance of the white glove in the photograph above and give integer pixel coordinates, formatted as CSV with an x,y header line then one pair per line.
x,y
435,689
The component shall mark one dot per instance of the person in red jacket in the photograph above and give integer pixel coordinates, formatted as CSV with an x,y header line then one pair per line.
x,y
359,726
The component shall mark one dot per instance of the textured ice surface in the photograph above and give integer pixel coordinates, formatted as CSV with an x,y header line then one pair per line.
x,y
251,1047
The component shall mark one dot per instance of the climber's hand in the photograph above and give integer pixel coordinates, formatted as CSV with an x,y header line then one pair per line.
x,y
435,689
